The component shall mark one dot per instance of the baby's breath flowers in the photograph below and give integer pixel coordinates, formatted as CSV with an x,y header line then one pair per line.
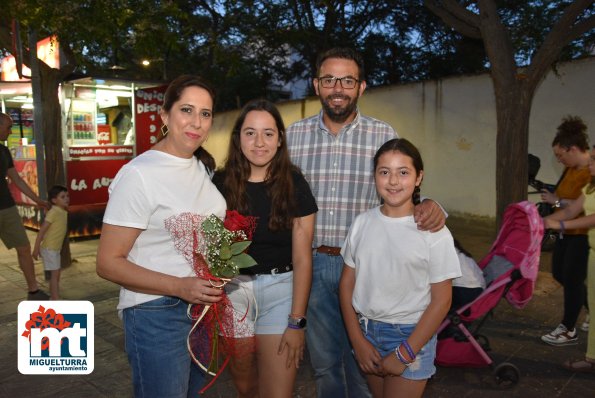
x,y
225,247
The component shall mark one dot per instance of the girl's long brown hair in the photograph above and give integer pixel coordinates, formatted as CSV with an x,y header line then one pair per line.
x,y
279,179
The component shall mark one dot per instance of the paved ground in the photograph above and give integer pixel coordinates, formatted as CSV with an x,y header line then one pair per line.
x,y
513,335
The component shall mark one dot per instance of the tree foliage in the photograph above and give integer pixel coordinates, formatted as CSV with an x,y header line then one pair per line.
x,y
401,41
247,47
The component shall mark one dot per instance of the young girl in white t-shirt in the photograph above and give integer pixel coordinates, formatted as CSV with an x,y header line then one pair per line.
x,y
396,289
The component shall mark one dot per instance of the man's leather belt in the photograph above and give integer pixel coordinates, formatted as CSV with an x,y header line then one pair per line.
x,y
329,250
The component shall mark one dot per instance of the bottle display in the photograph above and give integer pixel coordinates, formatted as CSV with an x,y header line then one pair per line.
x,y
82,129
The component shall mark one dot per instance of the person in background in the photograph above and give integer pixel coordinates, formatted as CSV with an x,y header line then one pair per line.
x,y
564,220
334,150
471,283
136,249
51,235
259,181
12,231
570,255
396,286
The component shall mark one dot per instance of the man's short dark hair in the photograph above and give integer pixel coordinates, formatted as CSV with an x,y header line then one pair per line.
x,y
342,53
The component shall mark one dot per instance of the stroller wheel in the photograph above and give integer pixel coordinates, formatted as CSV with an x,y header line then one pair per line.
x,y
507,375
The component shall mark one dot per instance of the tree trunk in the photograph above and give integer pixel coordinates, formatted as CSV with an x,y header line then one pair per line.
x,y
51,126
513,109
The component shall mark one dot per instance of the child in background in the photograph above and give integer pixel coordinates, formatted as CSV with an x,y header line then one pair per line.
x,y
471,283
51,236
395,288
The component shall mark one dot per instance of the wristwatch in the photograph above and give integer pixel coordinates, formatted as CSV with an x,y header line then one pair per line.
x,y
296,323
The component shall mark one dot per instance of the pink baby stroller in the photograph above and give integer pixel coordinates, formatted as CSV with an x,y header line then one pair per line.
x,y
510,270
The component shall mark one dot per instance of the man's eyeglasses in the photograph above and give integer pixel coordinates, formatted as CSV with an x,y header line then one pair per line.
x,y
347,82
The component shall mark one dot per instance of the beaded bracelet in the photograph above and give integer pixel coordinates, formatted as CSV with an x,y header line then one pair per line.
x,y
401,358
409,350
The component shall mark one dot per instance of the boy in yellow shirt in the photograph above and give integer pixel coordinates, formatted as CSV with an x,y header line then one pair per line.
x,y
51,236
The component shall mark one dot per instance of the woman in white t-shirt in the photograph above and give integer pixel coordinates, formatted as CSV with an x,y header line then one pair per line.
x,y
137,251
395,288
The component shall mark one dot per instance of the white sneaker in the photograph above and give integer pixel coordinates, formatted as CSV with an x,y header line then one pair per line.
x,y
585,325
560,336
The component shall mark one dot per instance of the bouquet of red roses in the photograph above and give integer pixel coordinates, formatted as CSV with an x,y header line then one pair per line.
x,y
216,250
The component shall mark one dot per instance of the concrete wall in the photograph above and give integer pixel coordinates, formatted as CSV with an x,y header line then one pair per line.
x,y
453,123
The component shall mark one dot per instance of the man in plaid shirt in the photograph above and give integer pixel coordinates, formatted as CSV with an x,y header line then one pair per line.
x,y
335,150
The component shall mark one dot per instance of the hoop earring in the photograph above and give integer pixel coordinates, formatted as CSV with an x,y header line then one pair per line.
x,y
164,130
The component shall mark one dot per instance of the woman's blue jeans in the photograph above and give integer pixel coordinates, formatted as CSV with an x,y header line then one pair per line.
x,y
155,340
335,368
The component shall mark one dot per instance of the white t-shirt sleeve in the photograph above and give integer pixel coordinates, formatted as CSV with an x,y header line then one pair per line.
x,y
129,202
444,262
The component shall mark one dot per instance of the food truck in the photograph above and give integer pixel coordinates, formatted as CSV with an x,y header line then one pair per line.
x,y
105,123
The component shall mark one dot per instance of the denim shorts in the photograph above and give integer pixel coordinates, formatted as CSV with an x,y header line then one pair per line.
x,y
386,337
261,303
